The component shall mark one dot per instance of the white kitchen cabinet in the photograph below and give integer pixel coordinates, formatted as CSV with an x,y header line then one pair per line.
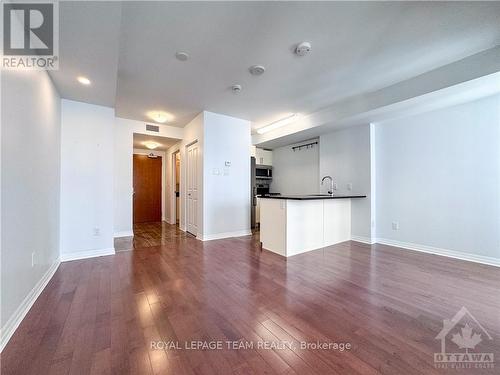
x,y
293,226
257,211
252,151
264,157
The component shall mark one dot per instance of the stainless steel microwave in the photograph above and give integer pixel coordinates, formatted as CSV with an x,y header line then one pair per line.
x,y
263,172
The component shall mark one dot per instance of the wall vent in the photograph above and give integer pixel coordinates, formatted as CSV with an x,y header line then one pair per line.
x,y
153,128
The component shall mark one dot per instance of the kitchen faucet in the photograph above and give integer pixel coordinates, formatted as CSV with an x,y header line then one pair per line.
x,y
331,183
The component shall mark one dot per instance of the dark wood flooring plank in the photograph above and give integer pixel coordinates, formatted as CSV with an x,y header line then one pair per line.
x,y
103,315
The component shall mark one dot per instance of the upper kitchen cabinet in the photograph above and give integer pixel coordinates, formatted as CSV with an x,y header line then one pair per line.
x,y
264,157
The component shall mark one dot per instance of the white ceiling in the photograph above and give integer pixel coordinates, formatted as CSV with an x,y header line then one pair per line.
x,y
128,51
165,143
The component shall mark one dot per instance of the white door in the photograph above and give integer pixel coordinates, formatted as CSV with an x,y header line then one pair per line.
x,y
192,189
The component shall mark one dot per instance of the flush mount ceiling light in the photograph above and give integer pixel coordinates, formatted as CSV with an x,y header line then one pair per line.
x,y
83,80
151,144
181,56
257,70
160,116
278,123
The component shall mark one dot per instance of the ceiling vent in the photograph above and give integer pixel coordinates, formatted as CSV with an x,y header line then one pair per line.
x,y
152,128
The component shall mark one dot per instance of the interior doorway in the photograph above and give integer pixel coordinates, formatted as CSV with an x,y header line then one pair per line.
x,y
147,188
192,188
149,178
176,164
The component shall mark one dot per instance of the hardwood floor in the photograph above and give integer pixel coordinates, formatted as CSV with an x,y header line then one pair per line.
x,y
109,315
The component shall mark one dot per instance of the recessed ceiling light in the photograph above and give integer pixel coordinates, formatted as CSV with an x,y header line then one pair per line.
x,y
278,123
83,80
182,56
257,70
151,144
160,116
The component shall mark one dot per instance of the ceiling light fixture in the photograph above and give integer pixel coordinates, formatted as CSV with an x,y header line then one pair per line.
x,y
278,123
160,116
83,80
181,56
151,144
257,70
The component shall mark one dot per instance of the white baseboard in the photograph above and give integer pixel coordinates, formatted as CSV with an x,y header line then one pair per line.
x,y
219,236
362,239
87,254
10,327
125,233
443,252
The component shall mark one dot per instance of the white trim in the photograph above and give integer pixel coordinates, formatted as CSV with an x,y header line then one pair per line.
x,y
442,252
219,236
125,233
363,239
10,327
87,254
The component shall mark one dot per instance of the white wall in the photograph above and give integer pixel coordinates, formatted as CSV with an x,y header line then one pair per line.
x,y
438,176
296,172
226,189
30,154
87,144
124,130
163,155
345,156
223,200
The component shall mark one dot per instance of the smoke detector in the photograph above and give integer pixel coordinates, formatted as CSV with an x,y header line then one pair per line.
x,y
303,49
181,56
236,88
257,70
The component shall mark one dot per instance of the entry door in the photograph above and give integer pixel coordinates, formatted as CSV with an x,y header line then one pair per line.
x,y
147,189
192,189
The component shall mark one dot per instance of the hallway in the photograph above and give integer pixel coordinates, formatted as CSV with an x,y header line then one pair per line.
x,y
150,234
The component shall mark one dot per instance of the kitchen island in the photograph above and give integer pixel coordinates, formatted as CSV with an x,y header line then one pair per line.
x,y
295,224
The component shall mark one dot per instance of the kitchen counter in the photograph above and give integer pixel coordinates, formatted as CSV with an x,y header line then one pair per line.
x,y
311,197
291,225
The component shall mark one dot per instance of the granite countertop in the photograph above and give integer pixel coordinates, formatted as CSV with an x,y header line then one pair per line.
x,y
312,196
